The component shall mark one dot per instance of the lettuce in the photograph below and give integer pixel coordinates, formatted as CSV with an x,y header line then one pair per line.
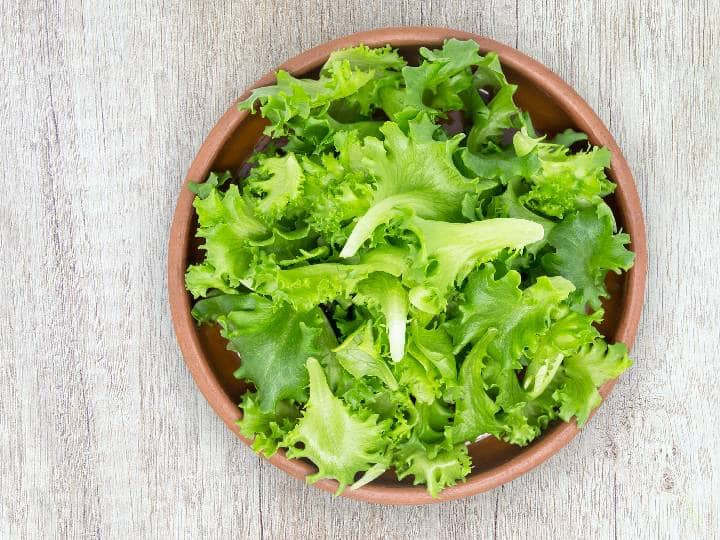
x,y
451,250
518,315
386,294
394,292
412,173
584,250
276,367
340,443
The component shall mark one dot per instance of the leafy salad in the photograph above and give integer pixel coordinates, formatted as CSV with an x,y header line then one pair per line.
x,y
408,266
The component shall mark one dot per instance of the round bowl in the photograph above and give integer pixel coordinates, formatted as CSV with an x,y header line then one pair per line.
x,y
554,106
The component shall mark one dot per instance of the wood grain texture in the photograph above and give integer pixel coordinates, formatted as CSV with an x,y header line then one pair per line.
x,y
102,431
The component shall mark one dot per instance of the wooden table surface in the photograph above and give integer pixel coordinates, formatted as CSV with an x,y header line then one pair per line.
x,y
103,433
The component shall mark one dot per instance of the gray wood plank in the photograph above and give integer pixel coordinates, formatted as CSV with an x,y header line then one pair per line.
x,y
102,431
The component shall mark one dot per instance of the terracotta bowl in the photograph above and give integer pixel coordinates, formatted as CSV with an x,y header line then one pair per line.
x,y
553,106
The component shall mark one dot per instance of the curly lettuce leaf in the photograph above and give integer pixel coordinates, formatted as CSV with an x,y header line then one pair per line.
x,y
502,165
232,232
385,65
275,186
585,250
583,373
435,85
419,379
556,383
291,101
214,180
436,466
491,120
360,356
452,250
428,367
383,292
565,182
475,409
310,111
491,400
563,338
433,349
412,173
275,366
508,204
267,429
305,287
569,137
340,444
518,315
334,196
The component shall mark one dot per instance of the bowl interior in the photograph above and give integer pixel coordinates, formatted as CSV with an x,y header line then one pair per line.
x,y
547,117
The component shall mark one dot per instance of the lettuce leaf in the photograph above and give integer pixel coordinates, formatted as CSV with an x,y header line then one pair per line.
x,y
276,185
412,173
360,356
384,293
564,182
518,315
339,443
583,373
436,85
275,366
291,101
451,250
437,469
267,429
585,249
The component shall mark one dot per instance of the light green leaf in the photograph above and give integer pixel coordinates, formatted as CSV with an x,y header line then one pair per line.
x,y
339,443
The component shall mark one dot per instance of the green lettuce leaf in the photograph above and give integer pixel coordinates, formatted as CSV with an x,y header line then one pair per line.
x,y
215,180
502,165
565,182
508,204
569,137
384,293
339,443
275,366
519,316
493,119
310,285
453,250
475,409
563,338
228,224
583,373
585,250
437,467
433,349
360,356
418,378
291,101
383,63
492,401
435,85
267,429
275,186
334,197
412,173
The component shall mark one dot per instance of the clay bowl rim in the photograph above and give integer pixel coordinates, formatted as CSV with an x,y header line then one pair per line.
x,y
557,90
